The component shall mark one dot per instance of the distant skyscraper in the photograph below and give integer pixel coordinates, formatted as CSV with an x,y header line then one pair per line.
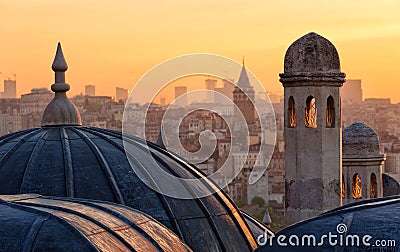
x,y
10,89
90,90
226,90
352,92
121,94
210,85
162,101
180,91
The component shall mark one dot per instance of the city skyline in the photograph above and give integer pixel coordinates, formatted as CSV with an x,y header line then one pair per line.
x,y
119,49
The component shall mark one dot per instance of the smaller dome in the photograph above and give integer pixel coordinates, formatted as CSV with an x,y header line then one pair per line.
x,y
310,54
390,185
60,111
32,222
378,218
360,140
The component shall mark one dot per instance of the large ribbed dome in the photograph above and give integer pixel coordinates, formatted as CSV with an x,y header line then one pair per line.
x,y
84,162
37,223
64,159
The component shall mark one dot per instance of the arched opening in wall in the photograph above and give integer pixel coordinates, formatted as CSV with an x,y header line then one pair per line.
x,y
343,192
373,187
330,112
310,120
291,113
357,187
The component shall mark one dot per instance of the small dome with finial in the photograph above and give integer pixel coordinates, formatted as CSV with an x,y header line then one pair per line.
x,y
60,111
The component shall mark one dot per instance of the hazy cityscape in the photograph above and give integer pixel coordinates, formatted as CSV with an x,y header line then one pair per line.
x,y
199,126
107,112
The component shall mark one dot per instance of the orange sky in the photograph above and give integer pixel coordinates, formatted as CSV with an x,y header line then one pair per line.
x,y
113,43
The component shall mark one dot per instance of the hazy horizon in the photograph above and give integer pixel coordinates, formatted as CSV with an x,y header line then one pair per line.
x,y
109,44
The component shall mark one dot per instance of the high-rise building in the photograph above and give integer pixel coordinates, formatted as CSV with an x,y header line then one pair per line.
x,y
226,90
181,90
121,94
352,92
163,101
10,89
210,85
90,90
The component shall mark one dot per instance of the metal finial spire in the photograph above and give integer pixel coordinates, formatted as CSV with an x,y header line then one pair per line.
x,y
243,78
59,67
60,111
59,63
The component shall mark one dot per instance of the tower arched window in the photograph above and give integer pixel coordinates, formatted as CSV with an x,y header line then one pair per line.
x,y
373,187
357,187
310,119
330,112
291,113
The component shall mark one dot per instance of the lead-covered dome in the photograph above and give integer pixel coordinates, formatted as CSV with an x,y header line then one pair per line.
x,y
36,223
359,226
360,140
74,161
91,163
312,53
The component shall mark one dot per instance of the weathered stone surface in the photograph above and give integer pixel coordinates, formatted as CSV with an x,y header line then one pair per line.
x,y
360,140
312,153
312,53
305,194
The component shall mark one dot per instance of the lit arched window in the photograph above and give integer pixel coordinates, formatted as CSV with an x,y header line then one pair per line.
x,y
373,187
357,187
291,113
310,120
343,193
330,112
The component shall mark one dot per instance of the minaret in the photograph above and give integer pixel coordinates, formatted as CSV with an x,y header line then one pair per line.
x,y
60,111
243,97
312,81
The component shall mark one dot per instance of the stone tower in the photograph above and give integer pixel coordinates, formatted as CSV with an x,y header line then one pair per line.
x,y
243,97
312,81
362,164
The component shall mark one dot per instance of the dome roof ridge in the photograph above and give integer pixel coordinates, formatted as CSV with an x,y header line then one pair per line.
x,y
70,224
